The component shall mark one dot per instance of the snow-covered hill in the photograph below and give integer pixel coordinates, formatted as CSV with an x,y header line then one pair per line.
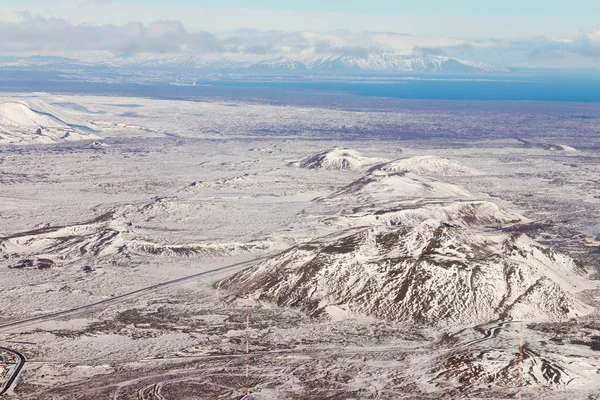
x,y
112,233
336,159
427,165
414,248
384,187
37,122
424,274
462,214
101,236
561,147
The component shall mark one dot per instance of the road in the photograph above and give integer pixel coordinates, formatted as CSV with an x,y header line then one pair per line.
x,y
488,333
122,297
13,373
14,362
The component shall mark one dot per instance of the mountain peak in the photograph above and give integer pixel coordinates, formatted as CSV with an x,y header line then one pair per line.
x,y
335,159
424,274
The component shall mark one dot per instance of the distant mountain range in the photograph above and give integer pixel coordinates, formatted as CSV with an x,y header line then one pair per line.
x,y
375,63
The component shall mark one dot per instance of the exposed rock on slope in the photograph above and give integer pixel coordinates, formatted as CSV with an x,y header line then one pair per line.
x,y
427,165
416,252
469,368
109,233
113,234
425,274
200,249
336,159
455,214
100,236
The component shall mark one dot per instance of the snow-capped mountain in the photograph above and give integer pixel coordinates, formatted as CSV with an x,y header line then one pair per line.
x,y
416,249
280,63
380,62
424,274
336,159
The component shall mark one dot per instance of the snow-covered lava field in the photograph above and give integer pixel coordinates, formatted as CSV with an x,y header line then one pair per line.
x,y
375,249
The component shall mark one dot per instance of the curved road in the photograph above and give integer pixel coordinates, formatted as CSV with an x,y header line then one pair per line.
x,y
112,300
488,333
15,373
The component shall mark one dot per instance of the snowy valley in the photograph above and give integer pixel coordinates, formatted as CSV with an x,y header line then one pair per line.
x,y
395,251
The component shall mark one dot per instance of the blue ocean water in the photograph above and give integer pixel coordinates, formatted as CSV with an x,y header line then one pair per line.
x,y
560,88
546,88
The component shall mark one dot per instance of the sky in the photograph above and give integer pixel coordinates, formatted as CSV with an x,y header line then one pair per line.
x,y
539,33
474,19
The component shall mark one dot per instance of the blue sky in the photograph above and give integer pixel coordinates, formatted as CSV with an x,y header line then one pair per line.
x,y
539,8
458,18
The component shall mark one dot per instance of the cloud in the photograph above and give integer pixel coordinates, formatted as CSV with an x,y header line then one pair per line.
x,y
587,44
582,51
35,35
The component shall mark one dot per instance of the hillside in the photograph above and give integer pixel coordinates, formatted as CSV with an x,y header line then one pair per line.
x,y
335,159
426,274
427,165
383,187
458,214
38,122
413,248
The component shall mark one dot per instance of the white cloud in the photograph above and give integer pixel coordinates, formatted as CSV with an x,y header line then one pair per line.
x,y
581,51
35,35
38,35
197,15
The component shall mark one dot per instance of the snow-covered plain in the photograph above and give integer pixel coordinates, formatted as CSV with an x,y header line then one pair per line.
x,y
440,240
